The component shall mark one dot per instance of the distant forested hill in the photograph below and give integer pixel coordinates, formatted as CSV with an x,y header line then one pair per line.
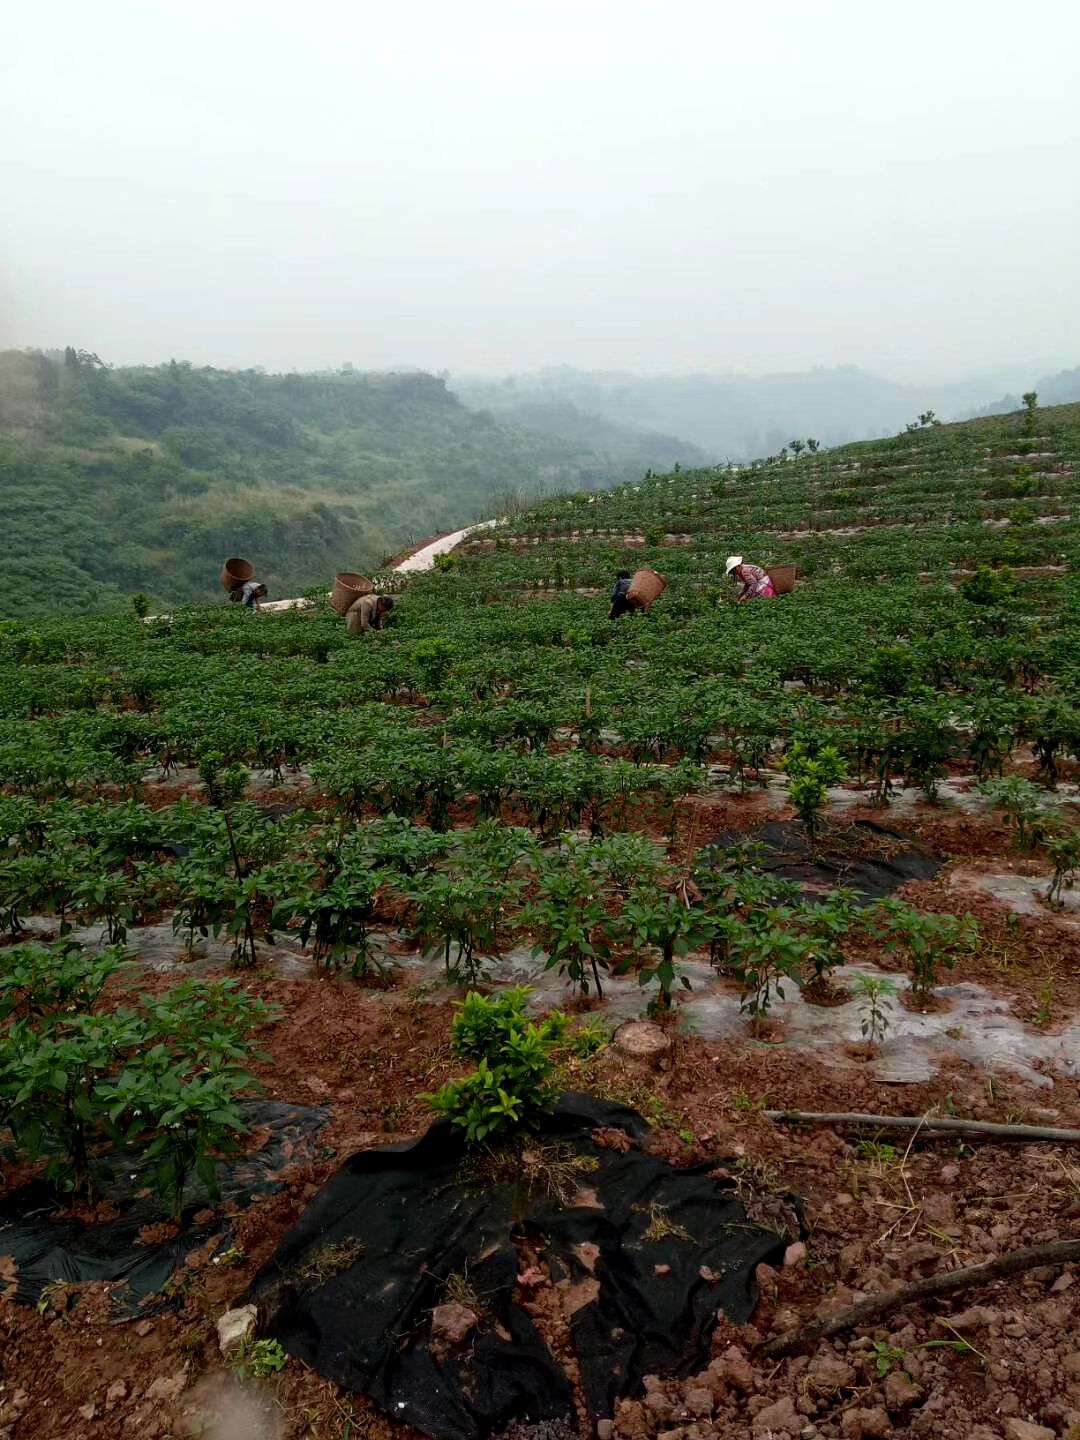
x,y
738,416
143,479
627,442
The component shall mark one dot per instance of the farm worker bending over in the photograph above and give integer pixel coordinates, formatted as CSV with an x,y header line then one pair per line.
x,y
620,605
368,613
755,583
251,594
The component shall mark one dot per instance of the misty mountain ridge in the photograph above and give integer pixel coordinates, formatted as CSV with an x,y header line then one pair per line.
x,y
738,416
1062,388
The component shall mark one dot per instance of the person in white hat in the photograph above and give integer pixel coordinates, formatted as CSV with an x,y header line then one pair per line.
x,y
755,582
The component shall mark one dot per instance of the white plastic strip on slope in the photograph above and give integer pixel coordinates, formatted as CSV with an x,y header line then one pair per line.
x,y
424,559
415,564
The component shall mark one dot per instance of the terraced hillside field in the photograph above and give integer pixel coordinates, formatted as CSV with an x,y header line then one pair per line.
x,y
827,842
121,480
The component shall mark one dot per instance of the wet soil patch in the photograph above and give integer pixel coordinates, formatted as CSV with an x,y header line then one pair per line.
x,y
870,859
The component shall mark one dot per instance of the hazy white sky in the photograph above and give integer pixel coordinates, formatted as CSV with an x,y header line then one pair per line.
x,y
495,185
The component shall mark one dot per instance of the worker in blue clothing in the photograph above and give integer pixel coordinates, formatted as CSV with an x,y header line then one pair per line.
x,y
620,605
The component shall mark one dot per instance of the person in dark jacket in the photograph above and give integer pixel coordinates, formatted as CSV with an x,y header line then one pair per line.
x,y
620,605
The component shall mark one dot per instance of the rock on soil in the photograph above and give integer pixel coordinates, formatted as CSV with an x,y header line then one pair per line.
x,y
978,1317
452,1323
780,1418
235,1326
1023,1430
828,1373
167,1387
900,1393
644,1044
734,1367
698,1400
866,1424
795,1256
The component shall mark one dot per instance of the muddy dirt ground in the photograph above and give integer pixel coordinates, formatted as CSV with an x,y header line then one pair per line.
x,y
879,1210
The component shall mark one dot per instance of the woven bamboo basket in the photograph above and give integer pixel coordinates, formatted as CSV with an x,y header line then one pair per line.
x,y
235,571
348,587
646,586
783,578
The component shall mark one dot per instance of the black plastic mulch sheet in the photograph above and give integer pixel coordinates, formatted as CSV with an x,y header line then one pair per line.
x,y
49,1248
887,859
425,1221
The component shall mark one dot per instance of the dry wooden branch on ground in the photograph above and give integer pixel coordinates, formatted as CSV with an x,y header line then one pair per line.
x,y
950,1282
933,1124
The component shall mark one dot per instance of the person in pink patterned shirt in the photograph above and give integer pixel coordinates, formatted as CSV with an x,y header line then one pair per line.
x,y
755,582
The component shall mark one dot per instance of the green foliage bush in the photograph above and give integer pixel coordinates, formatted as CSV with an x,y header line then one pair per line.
x,y
334,908
927,940
571,918
168,1070
1029,810
765,953
461,909
990,587
660,919
513,1083
823,927
1064,852
810,773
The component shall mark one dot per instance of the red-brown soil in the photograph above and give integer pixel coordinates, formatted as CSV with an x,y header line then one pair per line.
x,y
982,1367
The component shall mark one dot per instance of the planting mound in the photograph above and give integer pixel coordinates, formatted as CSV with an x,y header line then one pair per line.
x,y
49,1246
440,1281
871,859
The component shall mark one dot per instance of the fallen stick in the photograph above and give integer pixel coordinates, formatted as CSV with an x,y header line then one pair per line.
x,y
950,1282
932,1123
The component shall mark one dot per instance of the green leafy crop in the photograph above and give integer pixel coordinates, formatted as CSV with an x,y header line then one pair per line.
x,y
809,776
927,940
512,1085
167,1070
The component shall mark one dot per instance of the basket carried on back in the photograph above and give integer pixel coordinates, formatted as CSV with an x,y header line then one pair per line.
x,y
234,572
646,586
348,587
783,577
